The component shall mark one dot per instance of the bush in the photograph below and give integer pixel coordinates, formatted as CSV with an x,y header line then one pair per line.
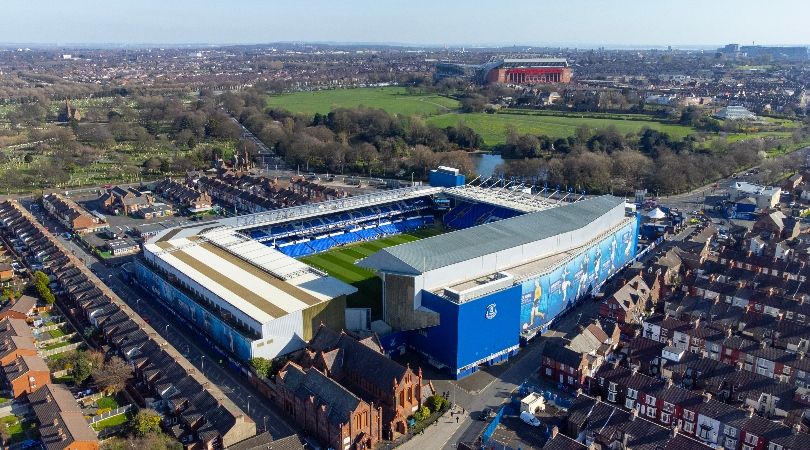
x,y
422,414
437,403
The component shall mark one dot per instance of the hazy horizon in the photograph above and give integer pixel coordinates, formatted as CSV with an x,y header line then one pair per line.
x,y
576,23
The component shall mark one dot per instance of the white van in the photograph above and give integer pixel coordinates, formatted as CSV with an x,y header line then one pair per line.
x,y
529,418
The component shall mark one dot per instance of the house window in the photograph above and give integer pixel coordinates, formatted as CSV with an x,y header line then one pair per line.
x,y
629,403
731,444
665,418
688,415
548,372
650,400
669,407
774,446
632,393
703,432
402,399
651,412
728,352
751,439
611,396
689,427
571,380
786,370
612,387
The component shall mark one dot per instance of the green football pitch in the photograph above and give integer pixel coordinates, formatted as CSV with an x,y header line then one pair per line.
x,y
340,263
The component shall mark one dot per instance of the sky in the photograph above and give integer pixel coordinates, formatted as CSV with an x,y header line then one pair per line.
x,y
584,23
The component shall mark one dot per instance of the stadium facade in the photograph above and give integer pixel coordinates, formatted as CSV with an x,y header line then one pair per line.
x,y
238,281
517,261
525,71
479,289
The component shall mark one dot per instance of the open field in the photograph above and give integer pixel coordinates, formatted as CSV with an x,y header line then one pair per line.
x,y
339,263
493,127
394,100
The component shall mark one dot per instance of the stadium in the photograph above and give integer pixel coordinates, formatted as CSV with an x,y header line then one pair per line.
x,y
474,266
524,71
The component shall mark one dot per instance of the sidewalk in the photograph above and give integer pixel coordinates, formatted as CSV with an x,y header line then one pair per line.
x,y
439,433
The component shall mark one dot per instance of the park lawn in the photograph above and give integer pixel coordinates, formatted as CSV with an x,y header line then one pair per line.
x,y
394,100
493,127
111,422
340,263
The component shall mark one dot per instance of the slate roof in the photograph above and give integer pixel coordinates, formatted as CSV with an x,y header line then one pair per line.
x,y
311,382
23,305
563,442
447,249
341,350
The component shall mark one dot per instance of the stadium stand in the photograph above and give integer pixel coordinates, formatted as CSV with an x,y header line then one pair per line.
x,y
466,215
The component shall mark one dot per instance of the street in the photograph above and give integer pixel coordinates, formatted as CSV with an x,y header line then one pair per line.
x,y
187,342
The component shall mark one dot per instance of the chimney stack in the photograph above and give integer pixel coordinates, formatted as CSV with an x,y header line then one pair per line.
x,y
554,431
674,431
707,397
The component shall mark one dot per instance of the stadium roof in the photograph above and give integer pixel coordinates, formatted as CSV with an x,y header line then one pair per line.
x,y
261,282
451,248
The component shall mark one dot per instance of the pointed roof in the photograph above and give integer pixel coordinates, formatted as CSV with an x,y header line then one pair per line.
x,y
656,214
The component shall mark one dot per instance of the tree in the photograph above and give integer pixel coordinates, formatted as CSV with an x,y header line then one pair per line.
x,y
145,422
41,282
437,402
422,414
262,365
112,376
81,367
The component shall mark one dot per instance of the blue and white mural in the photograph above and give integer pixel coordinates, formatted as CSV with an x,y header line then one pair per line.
x,y
546,297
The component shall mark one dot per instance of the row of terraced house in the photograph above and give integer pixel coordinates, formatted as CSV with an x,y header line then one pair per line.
x,y
195,411
714,337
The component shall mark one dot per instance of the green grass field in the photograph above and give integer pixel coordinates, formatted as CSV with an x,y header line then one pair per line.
x,y
340,263
493,127
395,100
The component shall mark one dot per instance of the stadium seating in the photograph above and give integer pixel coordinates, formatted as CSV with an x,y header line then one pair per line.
x,y
297,250
322,244
466,215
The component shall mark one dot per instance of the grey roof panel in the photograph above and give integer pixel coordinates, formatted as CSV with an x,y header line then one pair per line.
x,y
450,248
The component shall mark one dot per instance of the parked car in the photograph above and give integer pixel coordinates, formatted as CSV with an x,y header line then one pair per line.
x,y
485,414
529,418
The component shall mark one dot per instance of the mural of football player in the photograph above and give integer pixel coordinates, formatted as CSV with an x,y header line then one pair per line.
x,y
565,285
626,242
582,274
537,305
597,264
612,263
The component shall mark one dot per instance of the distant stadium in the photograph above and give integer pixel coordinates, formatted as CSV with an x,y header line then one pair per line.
x,y
525,71
514,259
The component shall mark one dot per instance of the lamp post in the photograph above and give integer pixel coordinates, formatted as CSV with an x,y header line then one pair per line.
x,y
202,363
248,405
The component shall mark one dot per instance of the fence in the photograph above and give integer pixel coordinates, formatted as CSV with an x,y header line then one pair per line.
x,y
57,350
90,398
47,342
50,327
115,412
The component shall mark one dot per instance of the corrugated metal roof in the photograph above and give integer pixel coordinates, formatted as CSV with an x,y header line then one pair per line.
x,y
451,248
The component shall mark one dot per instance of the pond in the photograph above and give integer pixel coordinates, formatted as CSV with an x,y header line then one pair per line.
x,y
485,163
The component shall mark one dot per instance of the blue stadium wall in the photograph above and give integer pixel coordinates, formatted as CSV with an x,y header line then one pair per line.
x,y
487,330
444,179
545,298
479,331
182,305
